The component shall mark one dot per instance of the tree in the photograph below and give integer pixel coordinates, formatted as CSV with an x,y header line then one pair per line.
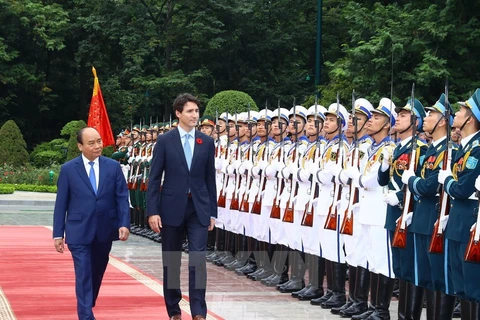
x,y
71,129
13,149
230,101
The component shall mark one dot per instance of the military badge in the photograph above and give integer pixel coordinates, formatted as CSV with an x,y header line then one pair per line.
x,y
431,162
333,156
402,162
361,154
471,163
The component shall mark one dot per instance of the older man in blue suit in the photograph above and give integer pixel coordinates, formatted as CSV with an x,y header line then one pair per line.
x,y
91,211
185,203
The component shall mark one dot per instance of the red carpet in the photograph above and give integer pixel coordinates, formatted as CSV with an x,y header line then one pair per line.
x,y
39,283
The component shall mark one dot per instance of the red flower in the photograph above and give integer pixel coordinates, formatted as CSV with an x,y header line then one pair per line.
x,y
199,141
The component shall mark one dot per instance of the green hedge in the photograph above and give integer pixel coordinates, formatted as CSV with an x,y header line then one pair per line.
x,y
6,189
27,187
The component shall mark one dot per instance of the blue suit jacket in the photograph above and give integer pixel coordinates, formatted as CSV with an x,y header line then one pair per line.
x,y
170,201
80,214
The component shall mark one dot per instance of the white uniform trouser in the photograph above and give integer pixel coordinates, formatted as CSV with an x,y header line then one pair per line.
x,y
356,255
378,250
261,230
251,219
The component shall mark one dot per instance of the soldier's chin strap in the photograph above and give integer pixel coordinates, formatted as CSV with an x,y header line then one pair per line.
x,y
336,129
436,124
409,127
381,128
466,120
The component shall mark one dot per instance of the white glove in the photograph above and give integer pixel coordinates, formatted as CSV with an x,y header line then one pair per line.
x,y
477,183
338,204
218,164
247,166
444,174
304,175
353,173
355,208
391,199
387,155
407,174
445,221
286,172
473,226
343,177
336,169
256,171
231,170
408,219
369,180
271,170
262,164
324,177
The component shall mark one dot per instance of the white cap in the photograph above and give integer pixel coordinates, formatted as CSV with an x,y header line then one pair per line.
x,y
300,111
342,112
387,108
320,111
283,114
364,106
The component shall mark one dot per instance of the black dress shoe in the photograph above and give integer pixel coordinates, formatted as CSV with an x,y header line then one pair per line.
x,y
235,264
301,291
313,293
267,279
336,310
322,299
336,300
457,312
254,273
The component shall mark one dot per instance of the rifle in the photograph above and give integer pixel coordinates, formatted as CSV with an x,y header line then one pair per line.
x,y
275,213
244,205
289,209
331,221
217,127
347,223
221,202
400,235
307,219
472,253
436,242
257,204
234,204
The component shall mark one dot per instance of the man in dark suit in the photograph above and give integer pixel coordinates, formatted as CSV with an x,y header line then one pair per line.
x,y
186,202
91,211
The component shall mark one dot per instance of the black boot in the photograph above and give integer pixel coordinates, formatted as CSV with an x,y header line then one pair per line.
x,y
402,299
316,272
474,312
352,276
251,265
414,302
297,281
384,296
228,257
338,298
373,298
280,266
458,309
444,305
329,292
240,254
360,298
266,252
465,309
430,301
219,245
259,254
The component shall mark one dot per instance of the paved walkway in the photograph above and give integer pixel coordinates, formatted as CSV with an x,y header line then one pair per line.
x,y
228,295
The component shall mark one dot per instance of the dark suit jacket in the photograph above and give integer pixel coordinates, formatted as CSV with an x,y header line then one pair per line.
x,y
80,214
170,201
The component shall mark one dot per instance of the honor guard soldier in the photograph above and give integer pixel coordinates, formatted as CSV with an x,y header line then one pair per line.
x,y
207,125
260,221
294,206
134,151
271,196
459,184
403,258
329,206
307,188
428,273
355,256
221,158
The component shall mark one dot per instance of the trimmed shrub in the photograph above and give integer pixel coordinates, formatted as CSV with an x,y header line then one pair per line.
x,y
28,187
13,149
6,189
229,100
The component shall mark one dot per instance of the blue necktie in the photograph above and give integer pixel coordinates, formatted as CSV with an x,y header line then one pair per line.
x,y
187,150
91,176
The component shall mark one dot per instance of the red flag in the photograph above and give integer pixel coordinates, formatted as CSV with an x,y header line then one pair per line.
x,y
97,116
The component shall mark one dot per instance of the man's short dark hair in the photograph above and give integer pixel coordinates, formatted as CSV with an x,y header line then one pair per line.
x,y
80,135
182,99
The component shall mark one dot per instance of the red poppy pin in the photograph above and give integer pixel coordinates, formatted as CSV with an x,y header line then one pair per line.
x,y
199,141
